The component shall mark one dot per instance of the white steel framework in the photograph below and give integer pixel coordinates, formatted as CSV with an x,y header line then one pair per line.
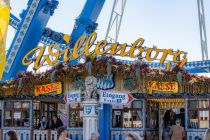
x,y
115,21
201,16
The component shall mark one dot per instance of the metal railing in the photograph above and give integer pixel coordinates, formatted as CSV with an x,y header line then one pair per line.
x,y
35,134
24,134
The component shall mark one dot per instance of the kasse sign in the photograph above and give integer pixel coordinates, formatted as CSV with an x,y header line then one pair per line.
x,y
115,98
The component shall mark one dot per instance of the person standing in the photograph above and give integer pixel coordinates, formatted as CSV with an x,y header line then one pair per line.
x,y
12,135
177,131
166,125
62,133
94,136
207,135
182,117
43,124
132,136
56,122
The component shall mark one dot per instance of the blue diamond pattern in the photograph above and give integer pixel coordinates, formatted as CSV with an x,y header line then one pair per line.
x,y
12,53
16,47
22,33
34,5
25,26
28,19
18,40
9,61
31,12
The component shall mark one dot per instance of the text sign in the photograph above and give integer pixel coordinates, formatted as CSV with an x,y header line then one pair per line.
x,y
162,86
83,45
73,96
115,98
48,88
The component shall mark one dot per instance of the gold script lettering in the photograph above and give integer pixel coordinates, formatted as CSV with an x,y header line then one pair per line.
x,y
78,46
136,45
100,48
90,41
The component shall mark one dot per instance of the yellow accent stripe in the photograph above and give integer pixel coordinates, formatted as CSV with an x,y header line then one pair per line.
x,y
4,22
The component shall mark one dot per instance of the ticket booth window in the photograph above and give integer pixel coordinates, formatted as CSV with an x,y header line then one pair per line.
x,y
47,109
17,114
75,115
128,116
198,113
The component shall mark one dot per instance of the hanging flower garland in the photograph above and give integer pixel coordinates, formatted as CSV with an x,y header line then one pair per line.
x,y
26,81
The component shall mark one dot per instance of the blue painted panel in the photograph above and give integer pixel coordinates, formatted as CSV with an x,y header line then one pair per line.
x,y
198,70
104,122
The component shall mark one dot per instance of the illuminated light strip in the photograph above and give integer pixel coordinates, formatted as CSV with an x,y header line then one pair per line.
x,y
167,100
171,105
21,34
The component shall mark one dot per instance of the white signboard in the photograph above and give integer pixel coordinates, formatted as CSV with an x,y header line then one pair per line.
x,y
73,97
17,115
107,97
7,115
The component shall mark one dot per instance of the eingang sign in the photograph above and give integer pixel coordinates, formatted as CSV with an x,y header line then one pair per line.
x,y
101,48
107,97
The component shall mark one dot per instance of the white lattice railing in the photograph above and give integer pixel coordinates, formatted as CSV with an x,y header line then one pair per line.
x,y
195,135
53,135
40,135
75,134
120,135
23,134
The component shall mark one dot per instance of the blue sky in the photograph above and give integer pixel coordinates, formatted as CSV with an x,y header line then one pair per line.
x,y
164,23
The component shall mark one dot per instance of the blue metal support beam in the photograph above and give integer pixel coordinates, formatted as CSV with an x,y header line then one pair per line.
x,y
31,29
105,122
86,22
29,32
14,21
